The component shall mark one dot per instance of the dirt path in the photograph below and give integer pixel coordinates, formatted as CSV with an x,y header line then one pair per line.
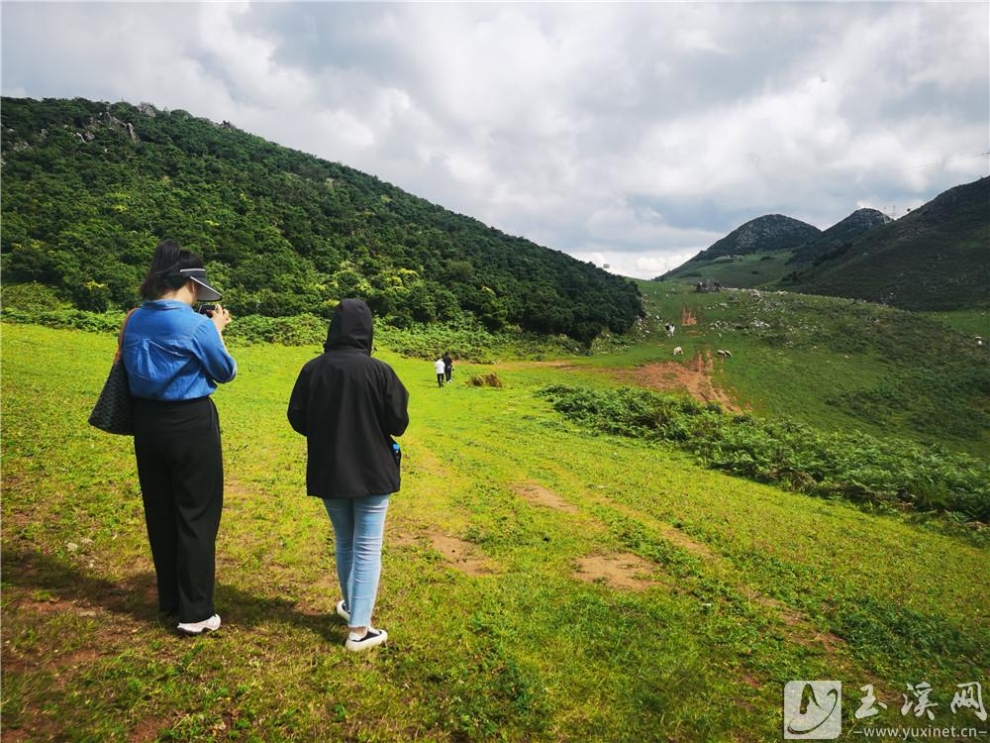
x,y
694,377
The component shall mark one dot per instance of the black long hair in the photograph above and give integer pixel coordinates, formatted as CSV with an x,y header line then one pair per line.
x,y
168,260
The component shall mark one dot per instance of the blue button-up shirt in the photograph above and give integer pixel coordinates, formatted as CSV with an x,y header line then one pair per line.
x,y
173,353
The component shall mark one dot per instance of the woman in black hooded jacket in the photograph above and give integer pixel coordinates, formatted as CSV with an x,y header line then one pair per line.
x,y
349,405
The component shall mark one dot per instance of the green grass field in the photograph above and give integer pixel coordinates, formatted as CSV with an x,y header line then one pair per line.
x,y
833,363
751,270
972,322
540,583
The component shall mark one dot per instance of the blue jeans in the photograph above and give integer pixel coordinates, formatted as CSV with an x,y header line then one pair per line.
x,y
358,525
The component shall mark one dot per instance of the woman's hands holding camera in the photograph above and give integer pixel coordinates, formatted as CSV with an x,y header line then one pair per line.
x,y
220,317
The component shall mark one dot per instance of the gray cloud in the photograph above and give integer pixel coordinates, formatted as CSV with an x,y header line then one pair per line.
x,y
628,134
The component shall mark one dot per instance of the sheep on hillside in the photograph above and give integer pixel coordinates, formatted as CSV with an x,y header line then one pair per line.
x,y
678,351
724,354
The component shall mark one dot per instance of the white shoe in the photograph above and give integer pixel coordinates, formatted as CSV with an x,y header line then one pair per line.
x,y
195,628
371,638
342,611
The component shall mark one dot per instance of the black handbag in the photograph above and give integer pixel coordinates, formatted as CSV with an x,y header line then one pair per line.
x,y
114,409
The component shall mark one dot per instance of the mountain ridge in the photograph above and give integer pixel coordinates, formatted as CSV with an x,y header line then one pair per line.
x,y
856,224
937,257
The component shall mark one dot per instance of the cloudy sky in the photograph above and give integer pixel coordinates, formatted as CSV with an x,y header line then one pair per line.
x,y
632,135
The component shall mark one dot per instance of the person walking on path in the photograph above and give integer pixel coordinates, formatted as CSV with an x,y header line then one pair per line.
x,y
349,405
440,368
448,366
175,357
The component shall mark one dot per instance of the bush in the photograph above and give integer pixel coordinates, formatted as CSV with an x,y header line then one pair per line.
x,y
289,331
31,297
465,340
98,322
795,456
301,330
485,380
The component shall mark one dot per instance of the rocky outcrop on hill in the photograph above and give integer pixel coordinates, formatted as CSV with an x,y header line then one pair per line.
x,y
106,120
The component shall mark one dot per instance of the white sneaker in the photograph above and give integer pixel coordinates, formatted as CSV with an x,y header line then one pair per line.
x,y
371,638
195,628
342,611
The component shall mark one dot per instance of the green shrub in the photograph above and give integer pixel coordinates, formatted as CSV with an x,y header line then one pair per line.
x,y
465,340
485,380
301,330
31,297
98,322
850,465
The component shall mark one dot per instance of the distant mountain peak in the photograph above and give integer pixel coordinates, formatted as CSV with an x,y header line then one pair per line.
x,y
856,224
865,217
766,234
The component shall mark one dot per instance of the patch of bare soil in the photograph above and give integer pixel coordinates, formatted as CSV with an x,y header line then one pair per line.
x,y
148,729
622,571
540,496
460,554
694,377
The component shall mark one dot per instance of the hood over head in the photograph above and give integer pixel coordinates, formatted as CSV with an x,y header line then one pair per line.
x,y
350,327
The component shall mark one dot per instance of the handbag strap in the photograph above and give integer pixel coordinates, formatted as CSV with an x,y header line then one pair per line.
x,y
120,335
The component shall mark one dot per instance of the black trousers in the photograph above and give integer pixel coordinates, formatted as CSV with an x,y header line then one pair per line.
x,y
180,466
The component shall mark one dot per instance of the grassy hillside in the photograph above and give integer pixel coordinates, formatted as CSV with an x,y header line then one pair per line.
x,y
750,255
540,583
936,258
739,271
975,323
834,363
89,189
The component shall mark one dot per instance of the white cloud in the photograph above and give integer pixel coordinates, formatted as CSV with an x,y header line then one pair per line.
x,y
627,134
245,60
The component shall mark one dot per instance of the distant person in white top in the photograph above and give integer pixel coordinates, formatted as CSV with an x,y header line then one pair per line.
x,y
440,367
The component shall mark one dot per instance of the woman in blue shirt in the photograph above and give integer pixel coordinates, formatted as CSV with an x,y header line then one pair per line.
x,y
175,357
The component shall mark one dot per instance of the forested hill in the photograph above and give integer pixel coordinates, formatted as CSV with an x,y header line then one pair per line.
x,y
89,188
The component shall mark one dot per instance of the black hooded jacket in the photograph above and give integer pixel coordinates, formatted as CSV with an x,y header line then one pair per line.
x,y
348,405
